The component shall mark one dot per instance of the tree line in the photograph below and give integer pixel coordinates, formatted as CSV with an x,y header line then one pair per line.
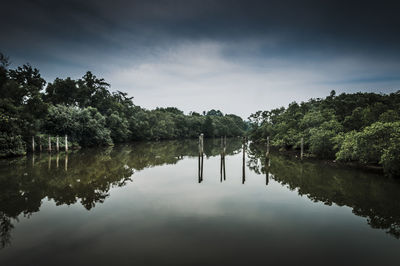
x,y
90,114
362,127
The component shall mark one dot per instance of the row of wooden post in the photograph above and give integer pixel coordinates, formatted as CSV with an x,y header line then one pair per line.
x,y
301,148
223,152
49,146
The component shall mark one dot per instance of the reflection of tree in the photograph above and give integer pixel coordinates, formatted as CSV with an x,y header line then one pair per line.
x,y
90,175
5,230
371,196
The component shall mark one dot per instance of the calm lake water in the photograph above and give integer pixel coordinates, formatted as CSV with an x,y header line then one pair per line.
x,y
152,203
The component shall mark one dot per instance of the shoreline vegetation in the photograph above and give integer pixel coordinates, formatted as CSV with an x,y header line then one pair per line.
x,y
35,111
361,129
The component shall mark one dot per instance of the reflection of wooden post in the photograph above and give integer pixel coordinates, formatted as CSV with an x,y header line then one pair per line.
x,y
243,167
66,143
33,143
201,160
223,151
301,148
57,145
267,153
57,159
199,168
40,144
223,165
267,165
66,161
202,166
220,170
49,148
50,161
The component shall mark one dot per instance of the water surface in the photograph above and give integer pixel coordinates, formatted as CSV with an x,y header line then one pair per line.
x,y
159,203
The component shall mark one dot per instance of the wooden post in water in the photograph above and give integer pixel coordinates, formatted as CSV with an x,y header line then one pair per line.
x,y
267,153
66,143
202,143
66,161
40,144
57,145
49,148
33,143
301,148
201,156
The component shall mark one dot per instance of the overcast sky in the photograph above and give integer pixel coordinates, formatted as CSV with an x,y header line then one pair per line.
x,y
236,56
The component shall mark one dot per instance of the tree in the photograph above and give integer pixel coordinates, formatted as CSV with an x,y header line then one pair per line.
x,y
208,127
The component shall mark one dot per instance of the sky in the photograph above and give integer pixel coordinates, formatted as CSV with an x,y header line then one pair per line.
x,y
233,55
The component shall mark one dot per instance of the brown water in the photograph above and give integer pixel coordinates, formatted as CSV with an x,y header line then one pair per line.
x,y
152,203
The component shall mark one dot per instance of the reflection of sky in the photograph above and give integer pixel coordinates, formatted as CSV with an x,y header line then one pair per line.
x,y
164,215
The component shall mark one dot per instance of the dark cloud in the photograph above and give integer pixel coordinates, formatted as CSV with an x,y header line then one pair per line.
x,y
278,50
332,25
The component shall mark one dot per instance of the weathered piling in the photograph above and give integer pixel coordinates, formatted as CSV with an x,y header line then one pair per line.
x,y
57,145
267,153
66,143
301,148
33,143
201,143
201,156
40,144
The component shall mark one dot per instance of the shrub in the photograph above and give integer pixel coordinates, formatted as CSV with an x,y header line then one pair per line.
x,y
11,145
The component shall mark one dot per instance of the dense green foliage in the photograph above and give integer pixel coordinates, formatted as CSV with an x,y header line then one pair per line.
x,y
90,114
360,127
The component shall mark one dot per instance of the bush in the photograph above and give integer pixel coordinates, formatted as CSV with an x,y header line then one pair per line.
x,y
323,139
321,142
83,125
391,156
378,143
11,145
